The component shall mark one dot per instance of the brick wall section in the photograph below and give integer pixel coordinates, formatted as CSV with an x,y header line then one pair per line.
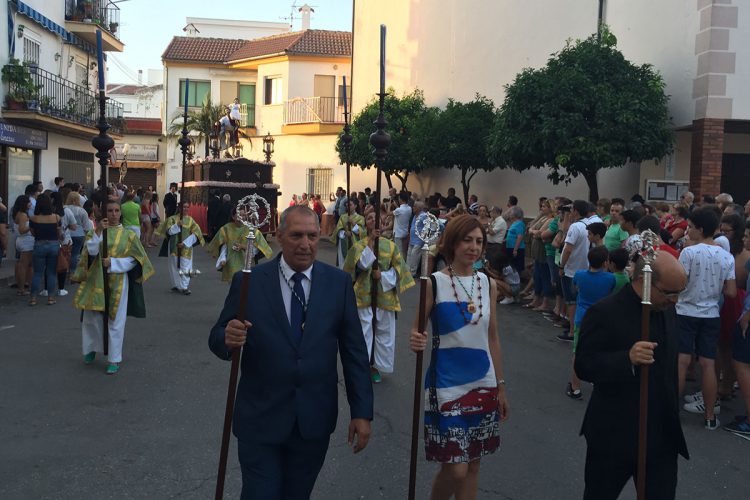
x,y
705,157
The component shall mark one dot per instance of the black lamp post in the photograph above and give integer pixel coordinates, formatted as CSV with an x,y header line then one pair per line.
x,y
268,144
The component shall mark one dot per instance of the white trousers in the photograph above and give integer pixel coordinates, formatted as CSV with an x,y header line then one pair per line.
x,y
385,336
414,259
181,282
92,326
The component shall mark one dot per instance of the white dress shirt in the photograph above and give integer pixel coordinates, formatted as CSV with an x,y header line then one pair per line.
x,y
287,283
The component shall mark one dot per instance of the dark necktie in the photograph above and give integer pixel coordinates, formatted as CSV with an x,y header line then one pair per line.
x,y
297,313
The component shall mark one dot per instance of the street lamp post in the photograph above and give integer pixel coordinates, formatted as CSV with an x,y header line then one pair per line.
x,y
268,145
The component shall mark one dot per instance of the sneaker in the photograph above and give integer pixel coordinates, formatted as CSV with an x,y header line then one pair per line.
x,y
507,300
62,293
692,398
186,292
700,407
112,368
564,338
712,424
376,378
739,427
571,393
89,358
43,293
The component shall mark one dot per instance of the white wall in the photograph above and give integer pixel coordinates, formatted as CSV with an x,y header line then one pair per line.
x,y
451,48
235,29
144,104
302,76
49,163
270,118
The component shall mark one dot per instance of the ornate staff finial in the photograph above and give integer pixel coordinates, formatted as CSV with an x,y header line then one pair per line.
x,y
648,251
249,214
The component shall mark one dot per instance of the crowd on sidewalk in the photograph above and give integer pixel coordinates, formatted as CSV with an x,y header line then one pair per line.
x,y
574,253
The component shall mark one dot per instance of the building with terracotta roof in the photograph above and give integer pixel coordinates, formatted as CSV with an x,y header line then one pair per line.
x,y
288,84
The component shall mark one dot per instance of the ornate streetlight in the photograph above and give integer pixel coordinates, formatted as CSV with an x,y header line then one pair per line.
x,y
268,142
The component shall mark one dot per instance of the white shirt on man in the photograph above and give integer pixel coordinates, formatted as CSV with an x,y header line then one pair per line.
x,y
707,267
401,218
287,283
499,228
578,238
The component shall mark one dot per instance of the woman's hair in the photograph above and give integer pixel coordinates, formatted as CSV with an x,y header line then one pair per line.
x,y
88,206
681,209
154,198
458,228
73,199
515,212
43,205
738,231
550,204
486,208
21,205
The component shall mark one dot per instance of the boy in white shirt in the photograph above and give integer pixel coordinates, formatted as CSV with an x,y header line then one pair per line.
x,y
710,271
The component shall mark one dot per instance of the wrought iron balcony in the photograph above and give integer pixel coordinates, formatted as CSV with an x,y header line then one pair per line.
x,y
313,110
103,14
34,91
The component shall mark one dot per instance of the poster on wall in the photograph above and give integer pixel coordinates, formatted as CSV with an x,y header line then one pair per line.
x,y
665,190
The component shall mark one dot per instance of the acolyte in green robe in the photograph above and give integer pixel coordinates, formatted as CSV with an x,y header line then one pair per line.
x,y
189,226
121,243
389,257
344,224
235,235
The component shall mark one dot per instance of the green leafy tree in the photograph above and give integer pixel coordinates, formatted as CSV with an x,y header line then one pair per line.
x,y
200,121
457,138
588,109
404,116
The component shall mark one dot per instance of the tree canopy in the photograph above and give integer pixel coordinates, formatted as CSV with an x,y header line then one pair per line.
x,y
589,108
405,116
200,121
456,137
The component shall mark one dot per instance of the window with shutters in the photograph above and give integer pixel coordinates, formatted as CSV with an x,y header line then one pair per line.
x,y
319,181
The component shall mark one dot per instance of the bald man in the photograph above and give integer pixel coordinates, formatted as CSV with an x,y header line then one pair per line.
x,y
610,354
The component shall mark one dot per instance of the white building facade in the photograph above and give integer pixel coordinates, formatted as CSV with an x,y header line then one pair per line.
x,y
455,49
50,103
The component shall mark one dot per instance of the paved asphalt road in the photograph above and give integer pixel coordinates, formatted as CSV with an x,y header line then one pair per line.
x,y
153,430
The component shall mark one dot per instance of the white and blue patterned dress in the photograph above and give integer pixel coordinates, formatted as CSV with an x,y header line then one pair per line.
x,y
461,406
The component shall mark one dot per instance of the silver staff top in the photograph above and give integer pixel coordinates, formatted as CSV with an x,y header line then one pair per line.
x,y
249,211
427,228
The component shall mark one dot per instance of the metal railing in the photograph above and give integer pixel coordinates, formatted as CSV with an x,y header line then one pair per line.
x,y
313,110
247,115
38,90
103,13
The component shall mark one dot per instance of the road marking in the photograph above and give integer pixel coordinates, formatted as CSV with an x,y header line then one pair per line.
x,y
6,327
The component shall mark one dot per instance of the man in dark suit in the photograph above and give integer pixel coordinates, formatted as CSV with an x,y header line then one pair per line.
x,y
212,213
610,354
286,403
170,201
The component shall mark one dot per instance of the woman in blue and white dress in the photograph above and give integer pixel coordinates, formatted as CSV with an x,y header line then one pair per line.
x,y
464,385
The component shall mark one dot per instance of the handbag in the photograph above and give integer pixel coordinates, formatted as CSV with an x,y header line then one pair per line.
x,y
63,258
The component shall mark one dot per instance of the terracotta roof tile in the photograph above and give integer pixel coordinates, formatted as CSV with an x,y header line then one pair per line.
x,y
308,42
198,49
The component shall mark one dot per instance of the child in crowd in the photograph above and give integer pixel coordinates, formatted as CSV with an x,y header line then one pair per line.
x,y
506,279
593,285
596,231
618,261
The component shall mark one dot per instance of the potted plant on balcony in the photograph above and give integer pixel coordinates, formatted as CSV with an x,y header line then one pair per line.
x,y
113,27
22,90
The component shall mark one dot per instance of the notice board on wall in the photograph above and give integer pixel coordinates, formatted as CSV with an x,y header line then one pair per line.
x,y
665,190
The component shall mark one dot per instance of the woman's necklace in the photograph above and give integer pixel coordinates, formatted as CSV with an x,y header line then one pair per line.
x,y
471,308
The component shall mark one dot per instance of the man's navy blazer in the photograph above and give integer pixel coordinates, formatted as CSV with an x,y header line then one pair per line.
x,y
281,382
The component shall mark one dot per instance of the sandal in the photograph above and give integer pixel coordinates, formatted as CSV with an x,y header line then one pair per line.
x,y
530,305
51,302
32,301
23,293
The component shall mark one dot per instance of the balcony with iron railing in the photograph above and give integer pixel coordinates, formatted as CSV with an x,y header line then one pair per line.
x,y
41,98
84,17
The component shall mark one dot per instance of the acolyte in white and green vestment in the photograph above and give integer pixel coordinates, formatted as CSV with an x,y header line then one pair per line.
x,y
395,278
191,235
129,268
229,245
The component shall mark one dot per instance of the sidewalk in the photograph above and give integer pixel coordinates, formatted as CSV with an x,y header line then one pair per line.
x,y
7,270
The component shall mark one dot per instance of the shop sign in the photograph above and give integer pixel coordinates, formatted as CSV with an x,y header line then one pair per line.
x,y
22,137
139,152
